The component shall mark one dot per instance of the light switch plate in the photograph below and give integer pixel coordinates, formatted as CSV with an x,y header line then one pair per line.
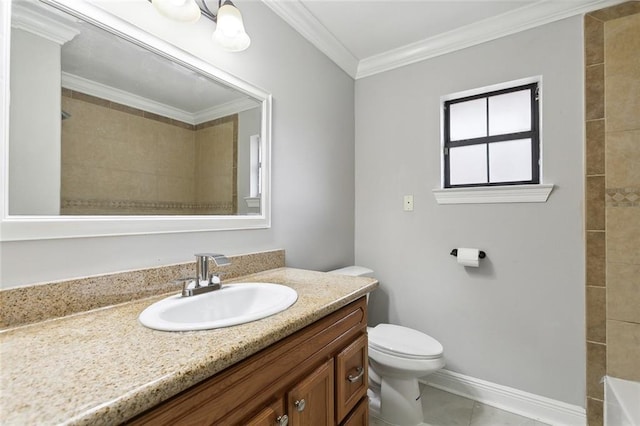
x,y
408,203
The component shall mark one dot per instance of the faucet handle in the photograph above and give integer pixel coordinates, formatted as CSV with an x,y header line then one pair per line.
x,y
219,259
185,284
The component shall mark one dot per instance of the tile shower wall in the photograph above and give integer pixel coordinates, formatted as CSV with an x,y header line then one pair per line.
x,y
112,163
612,40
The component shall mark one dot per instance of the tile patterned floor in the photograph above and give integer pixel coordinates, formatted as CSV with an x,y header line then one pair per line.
x,y
446,409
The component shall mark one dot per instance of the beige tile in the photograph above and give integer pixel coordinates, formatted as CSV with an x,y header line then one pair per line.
x,y
157,117
623,235
623,350
176,153
594,92
617,11
622,43
596,260
623,292
622,102
593,40
595,207
596,369
176,189
127,109
623,159
183,125
594,412
596,314
90,99
126,185
595,147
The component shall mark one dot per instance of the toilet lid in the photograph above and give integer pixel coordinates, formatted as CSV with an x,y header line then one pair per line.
x,y
402,341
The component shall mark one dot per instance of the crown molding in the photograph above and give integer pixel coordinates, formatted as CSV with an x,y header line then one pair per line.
x,y
530,16
80,84
295,14
74,82
224,110
521,19
40,24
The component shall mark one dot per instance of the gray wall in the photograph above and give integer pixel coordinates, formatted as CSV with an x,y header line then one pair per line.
x,y
518,320
37,180
312,181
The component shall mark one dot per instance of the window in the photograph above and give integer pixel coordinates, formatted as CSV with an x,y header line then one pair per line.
x,y
492,139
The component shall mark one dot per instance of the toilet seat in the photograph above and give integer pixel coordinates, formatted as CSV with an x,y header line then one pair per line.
x,y
404,342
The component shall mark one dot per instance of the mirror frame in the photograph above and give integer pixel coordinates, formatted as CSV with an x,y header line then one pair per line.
x,y
17,228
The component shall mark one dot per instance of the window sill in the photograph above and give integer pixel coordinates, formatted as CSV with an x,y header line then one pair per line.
x,y
494,194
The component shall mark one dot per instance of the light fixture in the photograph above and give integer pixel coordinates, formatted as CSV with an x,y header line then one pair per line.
x,y
229,34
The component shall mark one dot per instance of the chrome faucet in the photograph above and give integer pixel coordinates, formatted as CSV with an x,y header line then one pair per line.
x,y
204,282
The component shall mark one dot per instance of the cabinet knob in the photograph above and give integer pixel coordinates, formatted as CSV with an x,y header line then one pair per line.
x,y
282,420
300,405
358,376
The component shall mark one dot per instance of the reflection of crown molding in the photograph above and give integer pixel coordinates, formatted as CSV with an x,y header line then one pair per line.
x,y
523,18
40,24
73,82
224,110
295,14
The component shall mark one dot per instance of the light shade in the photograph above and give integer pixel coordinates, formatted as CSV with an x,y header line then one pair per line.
x,y
230,33
178,10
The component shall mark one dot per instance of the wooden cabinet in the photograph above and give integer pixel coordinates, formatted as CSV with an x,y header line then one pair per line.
x,y
359,416
311,402
351,375
271,415
316,376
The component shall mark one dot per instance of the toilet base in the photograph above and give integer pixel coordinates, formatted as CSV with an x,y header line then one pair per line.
x,y
398,403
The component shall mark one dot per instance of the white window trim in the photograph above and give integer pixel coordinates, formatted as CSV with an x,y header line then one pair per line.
x,y
538,193
534,193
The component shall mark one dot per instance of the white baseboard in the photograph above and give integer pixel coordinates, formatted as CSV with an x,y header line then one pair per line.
x,y
536,407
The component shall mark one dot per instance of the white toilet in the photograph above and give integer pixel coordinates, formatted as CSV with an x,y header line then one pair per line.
x,y
398,356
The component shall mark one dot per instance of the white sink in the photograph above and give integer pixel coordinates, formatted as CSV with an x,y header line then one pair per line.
x,y
233,304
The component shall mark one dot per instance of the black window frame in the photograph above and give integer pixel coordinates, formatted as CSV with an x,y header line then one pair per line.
x,y
532,134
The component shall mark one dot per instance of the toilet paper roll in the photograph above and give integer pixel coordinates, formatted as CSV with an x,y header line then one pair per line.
x,y
469,257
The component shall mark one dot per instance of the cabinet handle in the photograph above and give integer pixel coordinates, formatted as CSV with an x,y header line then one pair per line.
x,y
282,420
300,405
358,376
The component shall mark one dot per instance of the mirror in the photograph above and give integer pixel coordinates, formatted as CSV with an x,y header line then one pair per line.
x,y
112,126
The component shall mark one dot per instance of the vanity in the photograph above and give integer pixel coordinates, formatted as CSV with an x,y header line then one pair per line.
x,y
316,376
104,367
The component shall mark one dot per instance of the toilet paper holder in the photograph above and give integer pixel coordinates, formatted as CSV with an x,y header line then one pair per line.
x,y
481,255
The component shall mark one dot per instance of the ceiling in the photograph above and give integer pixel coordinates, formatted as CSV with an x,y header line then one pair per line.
x,y
365,37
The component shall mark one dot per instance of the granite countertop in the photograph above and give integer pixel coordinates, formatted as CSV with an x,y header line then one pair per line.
x,y
104,367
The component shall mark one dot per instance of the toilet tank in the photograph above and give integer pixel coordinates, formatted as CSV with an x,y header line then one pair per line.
x,y
355,271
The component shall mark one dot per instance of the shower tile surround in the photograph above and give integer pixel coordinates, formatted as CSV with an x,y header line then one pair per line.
x,y
35,303
612,40
120,141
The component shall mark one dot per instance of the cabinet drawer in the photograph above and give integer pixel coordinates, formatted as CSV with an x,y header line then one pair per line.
x,y
359,416
351,376
269,416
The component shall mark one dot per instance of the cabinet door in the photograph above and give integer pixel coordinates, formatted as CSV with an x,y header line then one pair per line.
x,y
359,416
351,376
311,401
272,415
